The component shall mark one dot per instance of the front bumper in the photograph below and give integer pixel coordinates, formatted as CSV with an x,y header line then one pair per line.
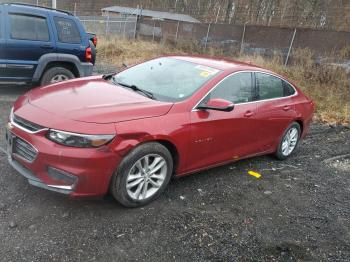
x,y
85,69
93,167
32,179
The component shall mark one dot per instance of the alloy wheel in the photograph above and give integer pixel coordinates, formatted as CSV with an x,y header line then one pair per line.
x,y
146,176
59,78
290,141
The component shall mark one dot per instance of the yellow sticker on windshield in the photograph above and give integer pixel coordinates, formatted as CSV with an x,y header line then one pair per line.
x,y
204,74
211,71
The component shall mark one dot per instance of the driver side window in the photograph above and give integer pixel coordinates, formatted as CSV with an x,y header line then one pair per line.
x,y
236,88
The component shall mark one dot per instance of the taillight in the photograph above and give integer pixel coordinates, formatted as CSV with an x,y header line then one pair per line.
x,y
94,40
88,54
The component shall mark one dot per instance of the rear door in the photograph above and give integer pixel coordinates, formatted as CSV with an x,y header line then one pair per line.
x,y
28,38
275,108
68,37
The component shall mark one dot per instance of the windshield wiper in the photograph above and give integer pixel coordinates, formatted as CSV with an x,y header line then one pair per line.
x,y
137,89
109,75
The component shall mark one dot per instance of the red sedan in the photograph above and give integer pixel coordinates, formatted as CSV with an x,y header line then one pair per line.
x,y
130,132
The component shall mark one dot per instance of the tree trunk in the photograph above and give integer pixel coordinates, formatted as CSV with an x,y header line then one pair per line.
x,y
228,10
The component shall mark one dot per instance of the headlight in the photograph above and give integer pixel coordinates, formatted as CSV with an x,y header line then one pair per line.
x,y
78,140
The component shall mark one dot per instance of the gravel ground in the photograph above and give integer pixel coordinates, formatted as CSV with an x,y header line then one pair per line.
x,y
298,210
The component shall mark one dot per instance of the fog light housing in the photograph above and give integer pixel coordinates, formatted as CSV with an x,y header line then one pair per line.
x,y
65,180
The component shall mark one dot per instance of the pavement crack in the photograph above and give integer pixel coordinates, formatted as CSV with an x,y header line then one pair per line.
x,y
335,158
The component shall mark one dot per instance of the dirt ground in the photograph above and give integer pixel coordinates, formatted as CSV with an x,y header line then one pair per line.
x,y
299,210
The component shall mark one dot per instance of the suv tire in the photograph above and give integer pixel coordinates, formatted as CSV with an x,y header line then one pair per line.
x,y
55,75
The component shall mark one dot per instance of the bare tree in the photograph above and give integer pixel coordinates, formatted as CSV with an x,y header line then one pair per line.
x,y
228,10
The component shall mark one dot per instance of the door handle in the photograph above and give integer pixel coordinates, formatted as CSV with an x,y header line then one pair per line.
x,y
46,46
286,108
248,114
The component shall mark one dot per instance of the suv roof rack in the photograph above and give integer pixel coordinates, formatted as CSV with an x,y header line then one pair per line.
x,y
44,7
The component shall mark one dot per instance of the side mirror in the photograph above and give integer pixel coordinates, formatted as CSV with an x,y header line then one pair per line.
x,y
217,104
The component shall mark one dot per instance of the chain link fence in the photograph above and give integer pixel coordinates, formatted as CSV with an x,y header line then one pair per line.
x,y
250,39
229,38
105,25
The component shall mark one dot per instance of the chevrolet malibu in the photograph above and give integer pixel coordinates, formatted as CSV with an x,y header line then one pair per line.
x,y
129,133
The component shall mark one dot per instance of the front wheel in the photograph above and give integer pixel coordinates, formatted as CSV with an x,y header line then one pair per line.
x,y
289,141
142,175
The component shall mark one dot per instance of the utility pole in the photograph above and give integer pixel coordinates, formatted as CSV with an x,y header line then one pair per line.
x,y
290,47
54,4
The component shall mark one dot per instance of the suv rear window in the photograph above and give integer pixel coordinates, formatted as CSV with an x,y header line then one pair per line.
x,y
28,27
67,31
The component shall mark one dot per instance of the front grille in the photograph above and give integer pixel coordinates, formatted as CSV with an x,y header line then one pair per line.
x,y
25,124
24,150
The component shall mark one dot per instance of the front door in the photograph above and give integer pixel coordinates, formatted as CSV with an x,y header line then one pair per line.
x,y
218,136
28,38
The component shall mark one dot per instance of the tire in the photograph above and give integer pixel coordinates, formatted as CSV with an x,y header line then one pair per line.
x,y
283,152
130,168
56,72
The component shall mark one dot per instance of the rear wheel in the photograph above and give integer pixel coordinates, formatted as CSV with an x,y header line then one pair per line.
x,y
55,75
289,141
142,175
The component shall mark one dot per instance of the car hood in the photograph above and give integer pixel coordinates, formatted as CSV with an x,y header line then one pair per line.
x,y
94,100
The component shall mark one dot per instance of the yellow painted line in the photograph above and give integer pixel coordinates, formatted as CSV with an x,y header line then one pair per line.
x,y
254,174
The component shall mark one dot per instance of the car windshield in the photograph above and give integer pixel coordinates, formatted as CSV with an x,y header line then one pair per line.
x,y
167,79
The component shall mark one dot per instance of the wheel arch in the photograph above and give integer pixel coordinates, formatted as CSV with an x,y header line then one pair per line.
x,y
301,124
67,65
127,146
173,151
47,61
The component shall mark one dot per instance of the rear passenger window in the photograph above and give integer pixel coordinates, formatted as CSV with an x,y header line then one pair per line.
x,y
67,30
269,86
288,89
27,27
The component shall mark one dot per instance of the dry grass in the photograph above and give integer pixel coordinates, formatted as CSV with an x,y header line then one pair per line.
x,y
329,87
119,51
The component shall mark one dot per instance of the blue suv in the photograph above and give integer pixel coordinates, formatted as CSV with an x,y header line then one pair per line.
x,y
41,45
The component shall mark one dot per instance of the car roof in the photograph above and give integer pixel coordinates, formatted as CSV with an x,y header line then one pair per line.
x,y
220,63
29,6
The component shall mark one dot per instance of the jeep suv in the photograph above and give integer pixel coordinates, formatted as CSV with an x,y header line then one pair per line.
x,y
41,45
